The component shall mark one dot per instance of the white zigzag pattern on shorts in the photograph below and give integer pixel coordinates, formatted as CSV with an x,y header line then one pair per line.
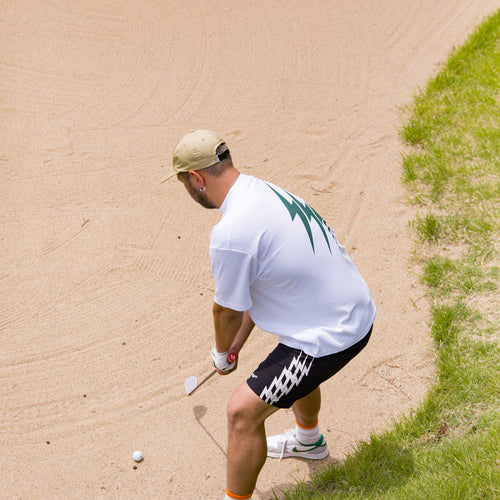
x,y
289,377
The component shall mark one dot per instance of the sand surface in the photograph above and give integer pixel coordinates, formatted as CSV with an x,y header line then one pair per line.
x,y
105,284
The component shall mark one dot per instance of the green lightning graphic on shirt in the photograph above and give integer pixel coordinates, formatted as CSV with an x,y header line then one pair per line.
x,y
306,214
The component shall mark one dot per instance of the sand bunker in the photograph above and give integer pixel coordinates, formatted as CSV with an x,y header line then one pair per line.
x,y
105,279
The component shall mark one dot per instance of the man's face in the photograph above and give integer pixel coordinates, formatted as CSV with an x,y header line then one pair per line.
x,y
198,196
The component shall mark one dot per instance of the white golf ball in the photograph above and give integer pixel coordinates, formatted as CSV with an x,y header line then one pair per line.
x,y
137,456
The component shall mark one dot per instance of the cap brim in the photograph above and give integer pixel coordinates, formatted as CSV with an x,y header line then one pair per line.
x,y
170,174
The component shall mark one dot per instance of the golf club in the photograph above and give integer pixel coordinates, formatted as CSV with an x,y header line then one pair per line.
x,y
191,383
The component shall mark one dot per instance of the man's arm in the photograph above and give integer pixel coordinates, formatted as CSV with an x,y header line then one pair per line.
x,y
243,333
232,328
227,323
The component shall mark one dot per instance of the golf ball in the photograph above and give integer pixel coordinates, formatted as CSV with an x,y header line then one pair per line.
x,y
137,456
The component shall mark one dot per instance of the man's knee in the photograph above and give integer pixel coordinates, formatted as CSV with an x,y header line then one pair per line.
x,y
246,411
239,408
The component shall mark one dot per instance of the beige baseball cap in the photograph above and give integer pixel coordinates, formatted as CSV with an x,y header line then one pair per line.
x,y
195,151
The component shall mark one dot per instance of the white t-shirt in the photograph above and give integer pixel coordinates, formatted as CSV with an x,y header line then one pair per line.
x,y
273,256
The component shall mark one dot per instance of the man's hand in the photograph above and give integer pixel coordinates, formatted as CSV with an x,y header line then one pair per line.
x,y
224,362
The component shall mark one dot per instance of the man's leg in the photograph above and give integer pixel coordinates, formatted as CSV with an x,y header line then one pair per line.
x,y
247,448
306,410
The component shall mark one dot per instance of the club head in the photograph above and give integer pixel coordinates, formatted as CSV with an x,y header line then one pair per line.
x,y
190,384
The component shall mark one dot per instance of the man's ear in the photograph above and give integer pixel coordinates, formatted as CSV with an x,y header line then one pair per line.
x,y
197,180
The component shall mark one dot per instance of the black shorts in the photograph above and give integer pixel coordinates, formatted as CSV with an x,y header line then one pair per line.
x,y
288,374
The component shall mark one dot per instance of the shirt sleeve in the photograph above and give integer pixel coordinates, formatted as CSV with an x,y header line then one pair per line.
x,y
233,272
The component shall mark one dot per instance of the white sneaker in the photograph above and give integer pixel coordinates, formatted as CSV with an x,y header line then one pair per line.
x,y
286,445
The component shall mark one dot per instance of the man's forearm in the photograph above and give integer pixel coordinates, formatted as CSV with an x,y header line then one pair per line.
x,y
227,323
242,335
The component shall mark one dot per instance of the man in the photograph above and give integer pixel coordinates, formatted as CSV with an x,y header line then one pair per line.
x,y
276,264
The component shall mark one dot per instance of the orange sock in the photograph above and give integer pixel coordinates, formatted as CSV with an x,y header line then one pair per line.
x,y
307,435
307,428
232,496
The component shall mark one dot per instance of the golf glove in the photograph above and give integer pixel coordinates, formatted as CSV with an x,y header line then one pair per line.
x,y
222,360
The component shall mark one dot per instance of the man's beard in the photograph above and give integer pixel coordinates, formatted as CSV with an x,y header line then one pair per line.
x,y
200,197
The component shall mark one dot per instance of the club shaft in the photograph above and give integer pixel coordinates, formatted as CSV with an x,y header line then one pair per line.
x,y
211,374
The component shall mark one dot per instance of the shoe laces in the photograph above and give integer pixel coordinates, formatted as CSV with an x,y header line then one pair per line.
x,y
288,436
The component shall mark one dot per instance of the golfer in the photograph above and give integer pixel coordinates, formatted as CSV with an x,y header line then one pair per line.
x,y
278,265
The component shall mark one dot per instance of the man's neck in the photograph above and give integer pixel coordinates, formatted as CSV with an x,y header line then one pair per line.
x,y
218,187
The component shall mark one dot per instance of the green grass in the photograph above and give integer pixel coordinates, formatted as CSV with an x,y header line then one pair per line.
x,y
449,447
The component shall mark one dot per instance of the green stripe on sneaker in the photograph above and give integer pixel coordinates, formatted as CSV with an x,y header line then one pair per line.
x,y
320,443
